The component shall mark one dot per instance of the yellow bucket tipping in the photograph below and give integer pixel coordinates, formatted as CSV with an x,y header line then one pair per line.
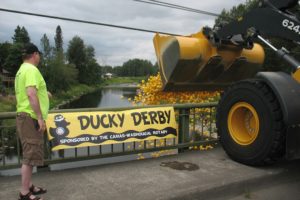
x,y
193,63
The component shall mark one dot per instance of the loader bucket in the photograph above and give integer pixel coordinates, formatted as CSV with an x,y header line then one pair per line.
x,y
193,63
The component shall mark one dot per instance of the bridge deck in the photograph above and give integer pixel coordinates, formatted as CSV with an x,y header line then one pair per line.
x,y
196,175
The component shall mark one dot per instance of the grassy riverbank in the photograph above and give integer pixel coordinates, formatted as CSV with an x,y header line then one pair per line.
x,y
73,93
8,103
121,80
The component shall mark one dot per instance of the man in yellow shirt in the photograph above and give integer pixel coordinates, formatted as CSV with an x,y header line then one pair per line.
x,y
32,110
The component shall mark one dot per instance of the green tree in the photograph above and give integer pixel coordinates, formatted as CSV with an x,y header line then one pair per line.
x,y
84,59
154,69
118,70
4,52
14,58
90,52
59,76
76,55
21,35
46,50
75,52
138,67
92,73
236,12
107,69
58,40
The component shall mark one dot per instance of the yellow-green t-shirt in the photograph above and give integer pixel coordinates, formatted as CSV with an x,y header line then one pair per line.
x,y
29,75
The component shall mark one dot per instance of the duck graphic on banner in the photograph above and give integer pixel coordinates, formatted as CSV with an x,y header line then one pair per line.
x,y
61,130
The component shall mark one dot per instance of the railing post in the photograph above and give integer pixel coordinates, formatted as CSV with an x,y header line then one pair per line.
x,y
2,146
184,130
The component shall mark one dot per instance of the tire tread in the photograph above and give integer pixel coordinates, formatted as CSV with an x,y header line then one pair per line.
x,y
277,149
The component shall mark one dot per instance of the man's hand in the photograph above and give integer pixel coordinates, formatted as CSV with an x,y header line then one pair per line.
x,y
42,125
49,95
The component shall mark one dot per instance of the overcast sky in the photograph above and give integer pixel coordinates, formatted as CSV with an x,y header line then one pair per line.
x,y
112,46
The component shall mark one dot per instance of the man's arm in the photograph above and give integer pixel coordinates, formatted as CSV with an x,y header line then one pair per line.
x,y
35,105
49,95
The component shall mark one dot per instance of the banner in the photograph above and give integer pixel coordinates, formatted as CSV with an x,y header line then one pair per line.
x,y
82,129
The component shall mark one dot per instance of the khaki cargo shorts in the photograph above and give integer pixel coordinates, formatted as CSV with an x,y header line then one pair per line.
x,y
32,141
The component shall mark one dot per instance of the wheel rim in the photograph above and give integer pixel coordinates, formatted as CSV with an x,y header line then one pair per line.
x,y
243,123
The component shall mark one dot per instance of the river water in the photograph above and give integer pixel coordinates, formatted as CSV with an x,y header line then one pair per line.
x,y
103,98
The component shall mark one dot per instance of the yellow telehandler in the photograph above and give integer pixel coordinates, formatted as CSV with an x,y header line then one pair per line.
x,y
258,115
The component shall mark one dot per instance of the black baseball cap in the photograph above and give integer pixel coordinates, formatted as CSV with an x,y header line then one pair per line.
x,y
30,48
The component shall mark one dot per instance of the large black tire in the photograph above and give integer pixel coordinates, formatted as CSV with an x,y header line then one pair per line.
x,y
263,144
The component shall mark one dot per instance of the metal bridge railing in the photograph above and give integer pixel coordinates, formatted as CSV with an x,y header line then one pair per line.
x,y
196,126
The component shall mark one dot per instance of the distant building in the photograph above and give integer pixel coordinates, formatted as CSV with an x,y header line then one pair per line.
x,y
6,78
4,73
108,75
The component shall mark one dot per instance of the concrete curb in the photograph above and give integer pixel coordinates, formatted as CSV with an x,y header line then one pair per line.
x,y
242,187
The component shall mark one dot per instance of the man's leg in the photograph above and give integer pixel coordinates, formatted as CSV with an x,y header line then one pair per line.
x,y
26,172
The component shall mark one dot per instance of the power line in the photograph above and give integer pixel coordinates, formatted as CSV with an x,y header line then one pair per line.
x,y
85,22
179,7
192,9
163,4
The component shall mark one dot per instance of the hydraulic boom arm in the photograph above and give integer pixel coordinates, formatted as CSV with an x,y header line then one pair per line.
x,y
272,18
